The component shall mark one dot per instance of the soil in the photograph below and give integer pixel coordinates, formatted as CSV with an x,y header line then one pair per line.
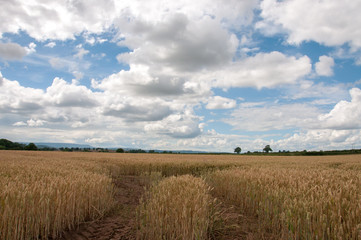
x,y
121,223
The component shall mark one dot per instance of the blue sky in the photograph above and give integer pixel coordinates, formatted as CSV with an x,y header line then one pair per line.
x,y
204,75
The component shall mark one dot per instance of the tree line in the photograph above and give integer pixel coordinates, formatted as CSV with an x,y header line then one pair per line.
x,y
9,145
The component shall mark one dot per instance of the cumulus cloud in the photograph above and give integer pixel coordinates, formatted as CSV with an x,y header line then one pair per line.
x,y
320,139
15,98
180,125
324,66
266,117
306,89
50,44
345,115
141,81
35,123
60,21
137,111
1,79
218,102
81,52
179,43
63,94
56,19
305,20
12,51
262,70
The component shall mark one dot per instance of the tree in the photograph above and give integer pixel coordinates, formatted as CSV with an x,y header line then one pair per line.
x,y
237,150
120,150
267,149
31,147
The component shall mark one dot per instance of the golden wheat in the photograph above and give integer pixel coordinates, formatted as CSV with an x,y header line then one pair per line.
x,y
45,193
296,203
39,199
176,208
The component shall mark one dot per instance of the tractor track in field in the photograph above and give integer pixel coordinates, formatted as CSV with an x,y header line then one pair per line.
x,y
119,225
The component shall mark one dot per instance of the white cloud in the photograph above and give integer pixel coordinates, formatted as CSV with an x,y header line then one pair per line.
x,y
21,123
63,94
266,117
306,20
81,53
50,44
179,43
35,123
321,139
59,63
218,102
31,48
324,66
12,51
180,125
320,92
262,70
61,21
17,99
56,19
75,67
345,115
1,79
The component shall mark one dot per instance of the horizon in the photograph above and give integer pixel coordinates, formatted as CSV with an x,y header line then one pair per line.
x,y
202,76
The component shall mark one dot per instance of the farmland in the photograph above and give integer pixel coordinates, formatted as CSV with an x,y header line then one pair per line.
x,y
48,195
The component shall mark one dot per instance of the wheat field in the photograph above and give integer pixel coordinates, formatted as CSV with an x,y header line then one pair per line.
x,y
44,194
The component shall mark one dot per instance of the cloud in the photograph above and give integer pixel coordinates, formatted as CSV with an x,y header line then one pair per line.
x,y
265,117
218,102
16,99
179,43
59,21
319,92
137,111
50,44
56,20
345,115
74,67
262,70
35,123
1,79
306,20
31,48
320,139
324,66
63,94
81,53
12,51
141,81
58,63
179,125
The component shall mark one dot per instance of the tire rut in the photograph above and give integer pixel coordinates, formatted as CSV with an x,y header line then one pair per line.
x,y
119,225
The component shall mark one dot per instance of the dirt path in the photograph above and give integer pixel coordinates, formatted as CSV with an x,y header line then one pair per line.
x,y
121,224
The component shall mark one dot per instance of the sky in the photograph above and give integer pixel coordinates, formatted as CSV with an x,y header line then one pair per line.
x,y
205,75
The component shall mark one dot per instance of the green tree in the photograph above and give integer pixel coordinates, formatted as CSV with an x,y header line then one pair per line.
x,y
237,150
31,147
267,149
120,150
